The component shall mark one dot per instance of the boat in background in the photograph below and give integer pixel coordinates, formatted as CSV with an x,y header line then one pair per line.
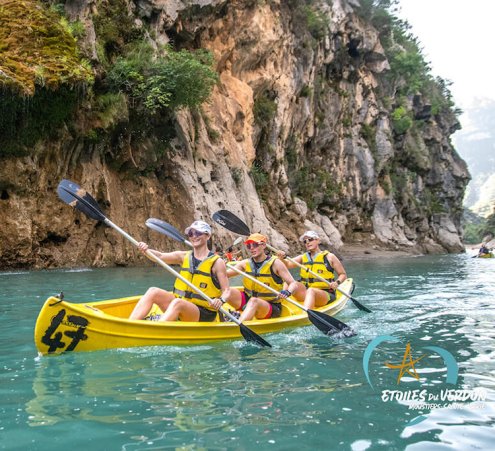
x,y
488,255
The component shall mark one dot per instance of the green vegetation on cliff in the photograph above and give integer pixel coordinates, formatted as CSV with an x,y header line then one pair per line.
x,y
414,97
477,228
42,74
46,82
410,73
170,80
37,49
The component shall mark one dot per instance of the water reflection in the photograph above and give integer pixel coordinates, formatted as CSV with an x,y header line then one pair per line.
x,y
65,389
192,390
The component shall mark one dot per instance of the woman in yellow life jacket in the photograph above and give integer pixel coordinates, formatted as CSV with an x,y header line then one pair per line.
x,y
257,301
323,263
202,268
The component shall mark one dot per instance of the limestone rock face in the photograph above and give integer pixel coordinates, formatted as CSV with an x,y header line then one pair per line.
x,y
319,162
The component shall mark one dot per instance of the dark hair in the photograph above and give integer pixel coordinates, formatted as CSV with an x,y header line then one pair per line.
x,y
229,249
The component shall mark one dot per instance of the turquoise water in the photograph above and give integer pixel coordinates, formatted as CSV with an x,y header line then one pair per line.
x,y
307,392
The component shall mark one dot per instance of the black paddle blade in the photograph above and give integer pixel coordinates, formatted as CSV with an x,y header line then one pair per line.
x,y
231,222
355,301
249,335
75,196
164,227
329,325
359,305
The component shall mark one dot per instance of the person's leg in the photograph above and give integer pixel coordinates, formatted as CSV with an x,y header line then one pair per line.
x,y
300,292
153,295
237,299
181,309
316,298
256,307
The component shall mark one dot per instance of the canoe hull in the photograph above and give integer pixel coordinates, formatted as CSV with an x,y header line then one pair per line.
x,y
489,255
64,326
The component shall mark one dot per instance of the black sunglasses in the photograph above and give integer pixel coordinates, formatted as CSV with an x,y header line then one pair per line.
x,y
194,233
253,245
308,240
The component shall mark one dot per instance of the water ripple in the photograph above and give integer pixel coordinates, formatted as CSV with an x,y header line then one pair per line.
x,y
308,391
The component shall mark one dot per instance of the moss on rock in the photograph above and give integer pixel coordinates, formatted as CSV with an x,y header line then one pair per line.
x,y
37,50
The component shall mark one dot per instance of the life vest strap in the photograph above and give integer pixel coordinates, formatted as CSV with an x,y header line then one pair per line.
x,y
256,294
188,294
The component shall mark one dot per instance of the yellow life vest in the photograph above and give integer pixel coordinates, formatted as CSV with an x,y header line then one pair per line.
x,y
201,277
319,265
264,274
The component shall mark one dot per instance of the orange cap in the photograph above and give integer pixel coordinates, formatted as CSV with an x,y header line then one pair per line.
x,y
255,238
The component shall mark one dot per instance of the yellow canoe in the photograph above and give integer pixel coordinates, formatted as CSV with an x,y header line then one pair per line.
x,y
489,255
65,326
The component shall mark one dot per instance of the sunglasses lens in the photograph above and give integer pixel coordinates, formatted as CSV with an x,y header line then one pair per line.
x,y
308,240
252,245
193,233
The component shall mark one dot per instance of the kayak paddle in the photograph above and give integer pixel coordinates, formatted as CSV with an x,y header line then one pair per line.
x,y
73,195
326,323
231,222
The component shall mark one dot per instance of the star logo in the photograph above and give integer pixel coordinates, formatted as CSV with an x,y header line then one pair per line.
x,y
407,365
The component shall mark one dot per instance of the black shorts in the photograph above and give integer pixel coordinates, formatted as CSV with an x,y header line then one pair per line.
x,y
331,295
206,315
275,310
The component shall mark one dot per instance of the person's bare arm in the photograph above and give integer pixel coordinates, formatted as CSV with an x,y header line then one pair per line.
x,y
339,269
281,270
239,265
289,264
171,258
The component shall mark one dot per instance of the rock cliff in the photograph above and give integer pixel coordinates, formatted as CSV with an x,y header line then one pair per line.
x,y
304,130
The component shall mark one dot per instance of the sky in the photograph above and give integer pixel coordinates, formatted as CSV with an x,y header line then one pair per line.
x,y
457,39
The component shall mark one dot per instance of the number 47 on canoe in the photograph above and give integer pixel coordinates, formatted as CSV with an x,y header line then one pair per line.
x,y
73,195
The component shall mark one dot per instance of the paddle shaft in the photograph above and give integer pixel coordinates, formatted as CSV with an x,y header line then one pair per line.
x,y
168,268
264,285
311,272
231,222
68,191
322,321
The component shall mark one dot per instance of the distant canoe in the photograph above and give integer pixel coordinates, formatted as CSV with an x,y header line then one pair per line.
x,y
489,255
66,326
